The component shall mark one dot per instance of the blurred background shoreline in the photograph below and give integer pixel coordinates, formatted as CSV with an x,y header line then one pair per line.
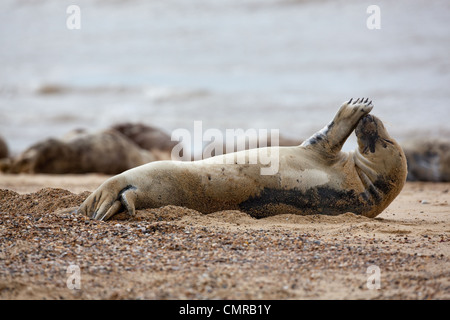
x,y
270,64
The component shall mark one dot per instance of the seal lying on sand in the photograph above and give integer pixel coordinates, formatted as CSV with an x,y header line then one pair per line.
x,y
313,178
146,137
428,159
81,152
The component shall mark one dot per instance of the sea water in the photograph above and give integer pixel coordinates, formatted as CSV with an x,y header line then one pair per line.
x,y
272,64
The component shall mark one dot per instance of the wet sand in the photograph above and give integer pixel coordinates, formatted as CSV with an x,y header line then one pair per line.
x,y
177,253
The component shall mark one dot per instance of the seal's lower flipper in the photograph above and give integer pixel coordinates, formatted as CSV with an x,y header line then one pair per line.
x,y
126,199
115,208
331,138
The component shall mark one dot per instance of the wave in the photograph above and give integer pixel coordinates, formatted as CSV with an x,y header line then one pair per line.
x,y
155,93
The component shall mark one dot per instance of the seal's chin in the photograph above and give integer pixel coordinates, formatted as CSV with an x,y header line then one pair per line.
x,y
369,131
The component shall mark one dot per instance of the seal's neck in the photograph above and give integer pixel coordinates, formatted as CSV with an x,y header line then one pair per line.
x,y
365,166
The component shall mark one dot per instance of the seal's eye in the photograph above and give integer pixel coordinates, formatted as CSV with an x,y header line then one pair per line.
x,y
386,141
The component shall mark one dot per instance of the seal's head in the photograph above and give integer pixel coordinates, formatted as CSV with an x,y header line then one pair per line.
x,y
384,162
372,134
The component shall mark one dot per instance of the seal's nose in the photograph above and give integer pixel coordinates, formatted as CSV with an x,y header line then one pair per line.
x,y
367,126
367,118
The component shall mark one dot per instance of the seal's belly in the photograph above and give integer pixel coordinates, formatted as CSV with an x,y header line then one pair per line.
x,y
301,186
316,200
311,187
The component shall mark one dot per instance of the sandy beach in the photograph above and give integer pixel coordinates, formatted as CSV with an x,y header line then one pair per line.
x,y
177,253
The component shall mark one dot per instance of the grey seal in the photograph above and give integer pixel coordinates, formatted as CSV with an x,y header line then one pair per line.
x,y
316,177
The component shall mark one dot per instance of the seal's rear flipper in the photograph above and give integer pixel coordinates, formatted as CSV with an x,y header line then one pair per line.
x,y
115,208
128,198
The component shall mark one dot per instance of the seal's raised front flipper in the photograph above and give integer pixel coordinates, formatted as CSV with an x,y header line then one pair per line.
x,y
331,138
